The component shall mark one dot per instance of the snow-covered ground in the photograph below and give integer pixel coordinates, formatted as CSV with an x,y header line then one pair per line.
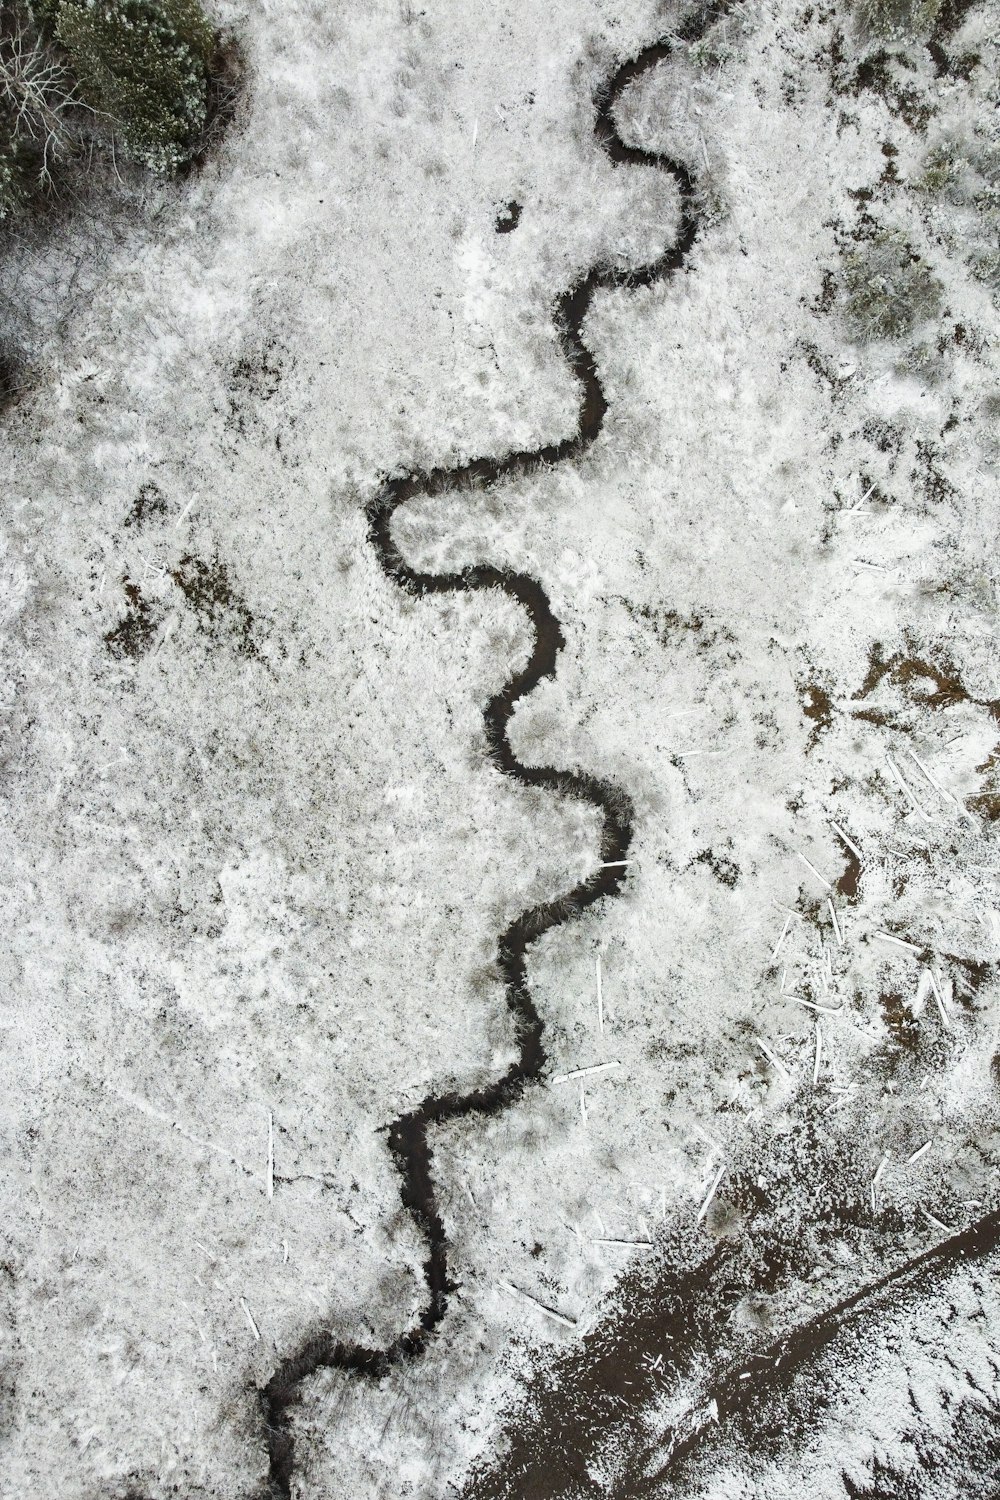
x,y
256,857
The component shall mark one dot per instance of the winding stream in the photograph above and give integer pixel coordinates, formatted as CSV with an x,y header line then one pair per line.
x,y
409,1135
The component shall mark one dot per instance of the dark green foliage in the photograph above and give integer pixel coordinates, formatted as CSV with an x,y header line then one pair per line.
x,y
45,14
144,63
889,289
15,170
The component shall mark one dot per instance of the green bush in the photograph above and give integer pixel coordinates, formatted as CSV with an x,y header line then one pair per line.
x,y
144,63
986,268
889,289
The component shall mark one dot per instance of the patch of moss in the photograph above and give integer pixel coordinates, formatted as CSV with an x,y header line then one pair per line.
x,y
888,289
145,63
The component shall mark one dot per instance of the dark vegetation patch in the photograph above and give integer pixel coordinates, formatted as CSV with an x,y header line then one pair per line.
x,y
801,1198
669,626
970,976
508,217
777,1415
826,300
134,634
916,1045
725,870
884,436
221,611
150,505
10,375
987,803
254,380
928,477
926,684
879,74
224,89
818,708
849,879
819,363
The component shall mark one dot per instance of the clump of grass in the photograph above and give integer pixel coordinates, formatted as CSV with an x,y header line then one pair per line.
x,y
986,268
896,20
943,170
965,175
146,64
888,289
963,172
723,42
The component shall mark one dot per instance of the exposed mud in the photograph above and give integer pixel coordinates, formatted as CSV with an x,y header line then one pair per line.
x,y
593,1409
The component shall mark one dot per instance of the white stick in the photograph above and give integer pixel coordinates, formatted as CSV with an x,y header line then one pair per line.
x,y
920,1151
250,1319
907,793
810,866
187,507
548,1311
875,1181
703,1210
784,933
836,924
945,1021
942,790
585,1072
687,754
824,1010
852,846
936,1222
776,1061
600,996
583,1105
887,937
270,1154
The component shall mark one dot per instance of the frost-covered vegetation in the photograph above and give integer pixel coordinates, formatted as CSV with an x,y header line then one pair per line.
x,y
256,857
896,20
888,289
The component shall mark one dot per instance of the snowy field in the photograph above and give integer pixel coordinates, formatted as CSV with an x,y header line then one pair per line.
x,y
737,1235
